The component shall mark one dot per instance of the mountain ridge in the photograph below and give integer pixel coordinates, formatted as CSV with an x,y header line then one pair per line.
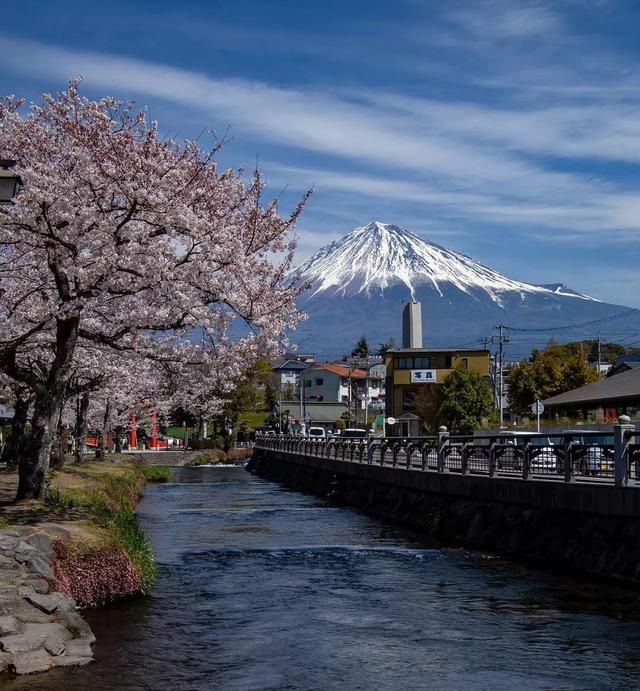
x,y
379,255
360,281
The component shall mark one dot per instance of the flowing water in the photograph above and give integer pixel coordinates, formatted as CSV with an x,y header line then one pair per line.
x,y
263,588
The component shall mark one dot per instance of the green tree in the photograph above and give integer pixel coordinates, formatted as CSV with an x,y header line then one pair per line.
x,y
383,348
466,400
549,372
428,403
362,347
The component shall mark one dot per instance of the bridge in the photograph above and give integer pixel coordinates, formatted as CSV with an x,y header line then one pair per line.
x,y
570,500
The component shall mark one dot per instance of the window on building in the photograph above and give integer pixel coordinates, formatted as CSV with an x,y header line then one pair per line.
x,y
448,361
319,382
307,382
465,363
409,399
413,363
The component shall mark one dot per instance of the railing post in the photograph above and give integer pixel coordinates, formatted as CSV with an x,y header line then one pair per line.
x,y
567,452
443,444
370,450
492,459
622,433
526,459
464,462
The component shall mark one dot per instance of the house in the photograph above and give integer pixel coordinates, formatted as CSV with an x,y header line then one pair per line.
x,y
410,369
286,373
312,413
617,394
339,383
624,363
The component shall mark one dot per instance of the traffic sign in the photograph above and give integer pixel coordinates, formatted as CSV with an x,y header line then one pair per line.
x,y
537,408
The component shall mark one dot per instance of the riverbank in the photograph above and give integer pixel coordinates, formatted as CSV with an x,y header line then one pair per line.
x,y
81,547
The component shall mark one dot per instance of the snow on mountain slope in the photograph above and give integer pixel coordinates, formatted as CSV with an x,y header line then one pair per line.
x,y
377,256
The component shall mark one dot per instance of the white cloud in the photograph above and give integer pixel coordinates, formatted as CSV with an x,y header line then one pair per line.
x,y
468,161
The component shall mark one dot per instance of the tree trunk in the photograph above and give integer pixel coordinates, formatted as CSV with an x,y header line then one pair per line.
x,y
119,432
33,465
81,427
58,445
35,451
11,451
107,438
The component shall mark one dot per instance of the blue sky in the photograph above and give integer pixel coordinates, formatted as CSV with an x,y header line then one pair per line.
x,y
507,130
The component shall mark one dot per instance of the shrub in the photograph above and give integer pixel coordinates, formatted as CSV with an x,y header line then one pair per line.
x,y
239,454
215,456
156,473
202,444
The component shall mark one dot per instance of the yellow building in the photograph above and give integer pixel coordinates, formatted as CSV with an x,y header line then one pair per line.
x,y
409,369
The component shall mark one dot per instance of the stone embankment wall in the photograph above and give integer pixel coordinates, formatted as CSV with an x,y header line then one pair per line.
x,y
169,458
39,626
591,529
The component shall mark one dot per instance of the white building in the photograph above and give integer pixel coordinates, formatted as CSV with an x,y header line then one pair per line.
x,y
338,383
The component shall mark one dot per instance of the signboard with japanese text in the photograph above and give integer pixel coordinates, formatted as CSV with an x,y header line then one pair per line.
x,y
423,376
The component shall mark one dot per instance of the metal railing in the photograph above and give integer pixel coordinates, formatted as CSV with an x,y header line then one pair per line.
x,y
581,456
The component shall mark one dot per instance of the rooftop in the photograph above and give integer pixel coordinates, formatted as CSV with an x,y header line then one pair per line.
x,y
342,370
428,349
621,387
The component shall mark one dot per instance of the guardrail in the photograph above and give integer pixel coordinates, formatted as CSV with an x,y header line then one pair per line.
x,y
595,457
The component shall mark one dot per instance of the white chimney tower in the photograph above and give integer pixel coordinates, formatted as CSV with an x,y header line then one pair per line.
x,y
412,325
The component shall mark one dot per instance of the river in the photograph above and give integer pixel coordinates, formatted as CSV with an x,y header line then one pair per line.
x,y
262,588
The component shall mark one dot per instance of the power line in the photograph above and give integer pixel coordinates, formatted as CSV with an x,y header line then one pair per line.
x,y
576,326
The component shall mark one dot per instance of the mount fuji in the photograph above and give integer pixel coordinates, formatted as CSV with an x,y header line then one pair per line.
x,y
360,282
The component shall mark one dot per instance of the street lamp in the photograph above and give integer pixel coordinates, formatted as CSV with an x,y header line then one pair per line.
x,y
9,181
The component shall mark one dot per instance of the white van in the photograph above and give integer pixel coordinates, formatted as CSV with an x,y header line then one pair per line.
x,y
360,434
544,460
317,433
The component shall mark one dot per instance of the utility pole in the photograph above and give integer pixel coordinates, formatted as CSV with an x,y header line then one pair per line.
x,y
599,353
301,379
502,338
351,398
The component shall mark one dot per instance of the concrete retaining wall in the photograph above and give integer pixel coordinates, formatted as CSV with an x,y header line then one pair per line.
x,y
169,458
591,528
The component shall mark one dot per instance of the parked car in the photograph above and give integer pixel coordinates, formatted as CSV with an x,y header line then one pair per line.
x,y
598,454
357,436
317,432
543,457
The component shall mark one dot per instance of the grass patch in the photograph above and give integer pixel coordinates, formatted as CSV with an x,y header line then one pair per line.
x,y
252,418
156,473
110,498
178,432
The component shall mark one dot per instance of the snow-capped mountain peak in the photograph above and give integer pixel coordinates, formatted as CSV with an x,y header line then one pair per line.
x,y
374,257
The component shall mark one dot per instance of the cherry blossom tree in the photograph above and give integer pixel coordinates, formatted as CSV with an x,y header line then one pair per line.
x,y
135,243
